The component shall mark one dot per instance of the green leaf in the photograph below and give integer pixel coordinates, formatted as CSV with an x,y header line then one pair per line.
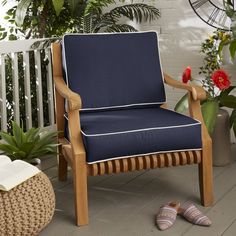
x,y
9,150
120,28
228,101
32,134
17,133
182,104
227,91
27,148
221,46
8,138
232,48
58,6
210,109
137,11
232,118
73,4
21,10
234,128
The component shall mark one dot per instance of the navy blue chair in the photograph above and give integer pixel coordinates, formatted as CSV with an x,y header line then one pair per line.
x,y
111,107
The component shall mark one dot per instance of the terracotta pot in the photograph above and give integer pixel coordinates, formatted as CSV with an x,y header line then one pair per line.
x,y
221,145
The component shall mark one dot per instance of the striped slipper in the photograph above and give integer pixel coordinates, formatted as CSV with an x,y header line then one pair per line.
x,y
193,215
167,215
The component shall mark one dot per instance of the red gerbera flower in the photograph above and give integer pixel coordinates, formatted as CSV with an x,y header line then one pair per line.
x,y
221,79
186,75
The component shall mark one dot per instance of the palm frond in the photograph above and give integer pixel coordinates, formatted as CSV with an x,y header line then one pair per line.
x,y
102,23
96,6
87,23
120,28
138,11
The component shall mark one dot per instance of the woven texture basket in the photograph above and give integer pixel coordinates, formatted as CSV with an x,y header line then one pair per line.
x,y
27,208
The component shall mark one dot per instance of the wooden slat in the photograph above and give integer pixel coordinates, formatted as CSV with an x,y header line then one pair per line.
x,y
124,165
93,169
176,158
154,161
197,156
39,91
183,158
50,88
108,167
101,168
139,163
15,82
116,166
3,108
161,160
147,162
28,106
168,159
131,164
190,157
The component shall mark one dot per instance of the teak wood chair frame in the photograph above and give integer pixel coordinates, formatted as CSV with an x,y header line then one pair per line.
x,y
74,152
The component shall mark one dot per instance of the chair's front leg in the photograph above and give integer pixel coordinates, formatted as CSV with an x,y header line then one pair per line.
x,y
205,174
79,167
205,167
80,189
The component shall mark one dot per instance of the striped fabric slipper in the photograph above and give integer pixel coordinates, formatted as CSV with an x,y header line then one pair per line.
x,y
193,215
167,215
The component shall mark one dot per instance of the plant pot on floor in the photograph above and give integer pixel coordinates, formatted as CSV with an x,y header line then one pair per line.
x,y
221,145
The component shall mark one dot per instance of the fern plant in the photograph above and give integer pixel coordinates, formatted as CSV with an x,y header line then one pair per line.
x,y
28,145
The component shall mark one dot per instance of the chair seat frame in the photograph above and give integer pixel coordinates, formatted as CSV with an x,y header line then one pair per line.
x,y
74,153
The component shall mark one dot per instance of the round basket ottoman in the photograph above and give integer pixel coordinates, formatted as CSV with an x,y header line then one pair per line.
x,y
27,208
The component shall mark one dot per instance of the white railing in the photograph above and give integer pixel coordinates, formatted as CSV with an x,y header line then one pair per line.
x,y
26,88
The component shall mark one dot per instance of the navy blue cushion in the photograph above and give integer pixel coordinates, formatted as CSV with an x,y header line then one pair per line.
x,y
114,70
120,133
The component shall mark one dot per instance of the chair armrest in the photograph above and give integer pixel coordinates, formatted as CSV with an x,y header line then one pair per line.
x,y
197,92
73,98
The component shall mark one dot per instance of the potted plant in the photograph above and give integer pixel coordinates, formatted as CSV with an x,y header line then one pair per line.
x,y
29,145
217,96
216,119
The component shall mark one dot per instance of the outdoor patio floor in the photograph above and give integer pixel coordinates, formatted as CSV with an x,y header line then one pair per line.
x,y
126,204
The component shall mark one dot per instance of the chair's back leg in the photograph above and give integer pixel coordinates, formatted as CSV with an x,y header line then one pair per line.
x,y
62,165
59,110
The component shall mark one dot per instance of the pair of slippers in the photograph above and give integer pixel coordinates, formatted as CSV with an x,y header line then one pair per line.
x,y
167,215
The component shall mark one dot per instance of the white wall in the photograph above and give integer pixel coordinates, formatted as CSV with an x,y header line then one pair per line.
x,y
181,33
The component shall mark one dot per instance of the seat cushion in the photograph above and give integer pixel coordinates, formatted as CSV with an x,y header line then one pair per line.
x,y
114,70
121,133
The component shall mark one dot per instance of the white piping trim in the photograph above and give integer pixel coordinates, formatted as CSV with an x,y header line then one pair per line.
x,y
140,32
138,130
64,58
151,153
130,105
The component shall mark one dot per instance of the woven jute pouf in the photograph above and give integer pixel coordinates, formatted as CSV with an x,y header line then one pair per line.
x,y
28,208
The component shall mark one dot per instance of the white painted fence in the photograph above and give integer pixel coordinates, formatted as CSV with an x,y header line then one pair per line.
x,y
21,74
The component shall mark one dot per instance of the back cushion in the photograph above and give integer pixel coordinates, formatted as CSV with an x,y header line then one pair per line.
x,y
113,70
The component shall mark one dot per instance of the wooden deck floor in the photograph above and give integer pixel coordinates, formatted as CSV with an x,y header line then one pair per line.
x,y
126,204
